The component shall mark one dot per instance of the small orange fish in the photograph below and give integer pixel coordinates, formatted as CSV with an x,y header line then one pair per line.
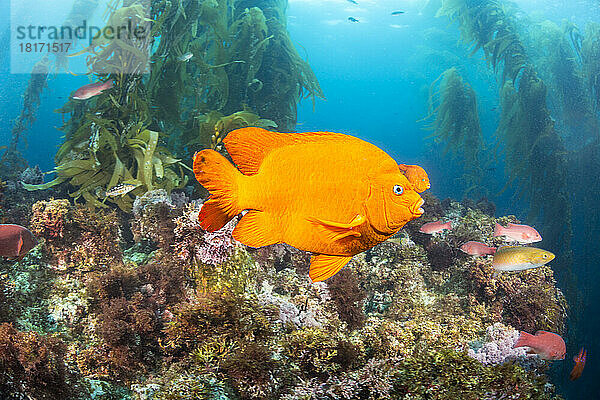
x,y
548,345
579,364
15,241
417,176
328,193
435,227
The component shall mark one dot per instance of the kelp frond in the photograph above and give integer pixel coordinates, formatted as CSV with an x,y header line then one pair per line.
x,y
134,157
214,126
486,25
455,121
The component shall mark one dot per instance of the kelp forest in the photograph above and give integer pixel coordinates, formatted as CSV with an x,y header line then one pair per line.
x,y
548,132
206,68
534,152
123,295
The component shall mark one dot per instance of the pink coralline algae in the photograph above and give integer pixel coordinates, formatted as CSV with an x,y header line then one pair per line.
x,y
498,346
217,246
193,242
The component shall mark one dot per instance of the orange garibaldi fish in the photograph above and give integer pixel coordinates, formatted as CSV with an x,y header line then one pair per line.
x,y
328,193
579,364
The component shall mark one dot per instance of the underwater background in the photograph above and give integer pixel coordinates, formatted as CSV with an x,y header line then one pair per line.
x,y
127,297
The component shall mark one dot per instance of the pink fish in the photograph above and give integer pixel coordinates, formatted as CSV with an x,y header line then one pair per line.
x,y
435,227
477,249
92,89
548,345
15,241
518,233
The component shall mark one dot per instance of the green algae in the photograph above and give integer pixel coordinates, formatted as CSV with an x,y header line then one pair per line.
x,y
192,383
453,109
242,70
112,147
138,254
450,374
27,284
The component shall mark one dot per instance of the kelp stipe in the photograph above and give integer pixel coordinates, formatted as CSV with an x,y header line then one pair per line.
x,y
455,124
588,48
554,50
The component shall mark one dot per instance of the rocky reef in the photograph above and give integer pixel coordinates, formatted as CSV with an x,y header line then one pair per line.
x,y
150,306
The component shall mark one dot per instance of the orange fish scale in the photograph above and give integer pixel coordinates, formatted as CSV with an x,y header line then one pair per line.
x,y
293,189
328,193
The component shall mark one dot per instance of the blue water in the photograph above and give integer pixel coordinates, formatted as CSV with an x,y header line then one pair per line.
x,y
376,75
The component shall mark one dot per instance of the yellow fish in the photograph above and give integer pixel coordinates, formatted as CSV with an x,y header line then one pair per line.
x,y
518,258
328,193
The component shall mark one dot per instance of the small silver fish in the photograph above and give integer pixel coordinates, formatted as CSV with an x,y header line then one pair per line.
x,y
120,189
185,57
